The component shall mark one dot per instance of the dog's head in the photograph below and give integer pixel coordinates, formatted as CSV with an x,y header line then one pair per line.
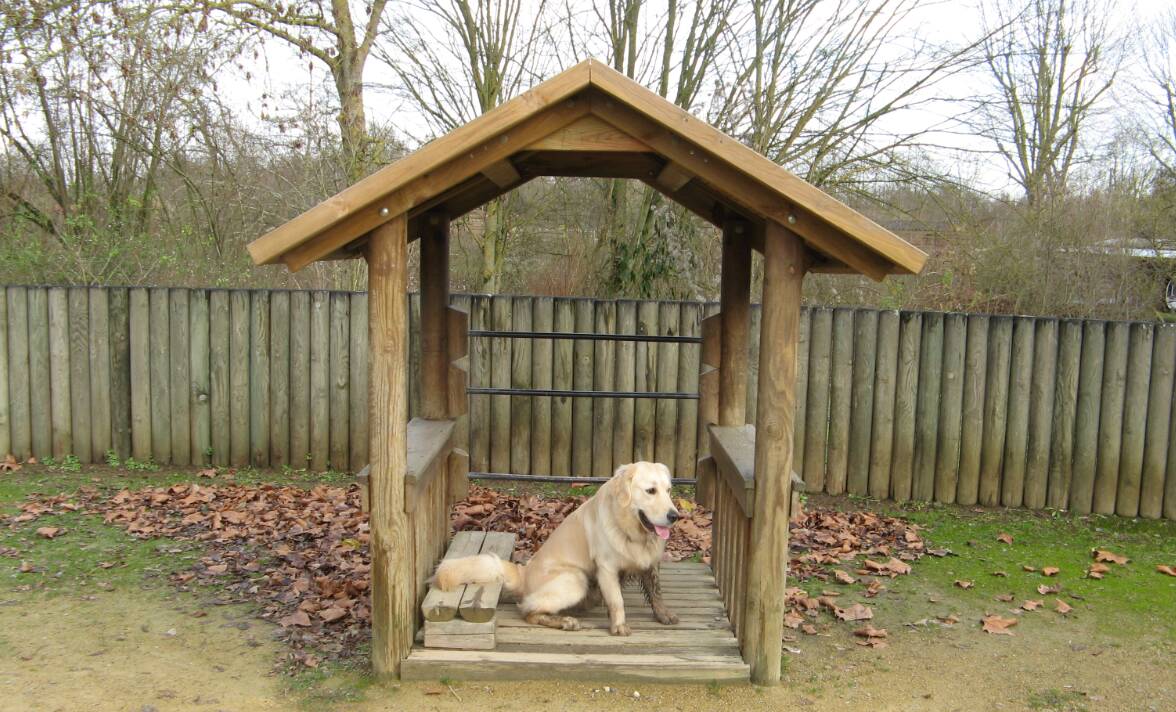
x,y
644,492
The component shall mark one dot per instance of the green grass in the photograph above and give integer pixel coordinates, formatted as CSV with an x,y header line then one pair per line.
x,y
1056,700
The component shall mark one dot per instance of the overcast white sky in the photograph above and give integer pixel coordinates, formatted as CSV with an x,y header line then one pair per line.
x,y
284,74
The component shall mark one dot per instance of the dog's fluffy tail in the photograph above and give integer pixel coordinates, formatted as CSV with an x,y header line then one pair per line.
x,y
483,568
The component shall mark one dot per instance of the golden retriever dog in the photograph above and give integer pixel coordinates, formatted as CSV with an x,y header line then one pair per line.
x,y
620,532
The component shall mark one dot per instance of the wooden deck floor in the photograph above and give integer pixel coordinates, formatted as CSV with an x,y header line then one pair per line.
x,y
700,648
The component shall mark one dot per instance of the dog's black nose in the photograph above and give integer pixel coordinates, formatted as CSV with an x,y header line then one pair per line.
x,y
673,516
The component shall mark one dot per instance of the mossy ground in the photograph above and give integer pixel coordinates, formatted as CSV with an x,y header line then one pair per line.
x,y
1109,653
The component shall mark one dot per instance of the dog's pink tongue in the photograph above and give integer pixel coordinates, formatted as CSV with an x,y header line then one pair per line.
x,y
663,532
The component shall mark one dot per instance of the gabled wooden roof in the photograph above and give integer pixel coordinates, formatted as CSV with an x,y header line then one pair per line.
x,y
591,121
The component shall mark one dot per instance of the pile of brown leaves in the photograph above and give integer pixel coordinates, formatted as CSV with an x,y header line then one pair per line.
x,y
302,555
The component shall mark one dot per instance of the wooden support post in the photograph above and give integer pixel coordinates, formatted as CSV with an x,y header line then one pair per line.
x,y
434,317
735,309
393,587
767,560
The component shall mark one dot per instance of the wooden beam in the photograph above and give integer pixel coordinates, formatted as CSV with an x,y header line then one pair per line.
x,y
502,174
393,560
595,164
589,134
358,220
767,562
748,193
434,281
673,176
735,315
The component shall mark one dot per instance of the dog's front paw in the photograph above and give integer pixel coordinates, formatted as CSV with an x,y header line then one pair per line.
x,y
665,617
620,629
570,623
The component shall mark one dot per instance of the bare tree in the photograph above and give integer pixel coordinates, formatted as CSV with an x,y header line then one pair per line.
x,y
1052,62
328,31
1161,94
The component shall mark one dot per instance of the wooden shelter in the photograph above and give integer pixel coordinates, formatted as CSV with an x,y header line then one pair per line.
x,y
587,121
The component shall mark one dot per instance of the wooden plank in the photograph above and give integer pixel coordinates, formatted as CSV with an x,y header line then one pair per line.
x,y
501,310
101,442
443,605
179,329
753,340
393,588
1159,413
733,449
18,382
886,374
40,378
1170,481
761,622
502,173
703,642
542,319
140,360
906,389
673,177
589,134
861,413
79,373
429,443
1065,404
802,363
434,324
686,454
1017,429
479,601
425,664
59,373
734,322
200,386
561,378
1041,400
603,379
239,378
520,377
817,425
927,407
279,379
320,380
259,378
840,401
996,401
666,411
644,409
480,376
460,635
626,377
414,355
358,363
340,375
972,418
219,339
1086,418
582,380
5,409
947,447
1110,429
120,370
1135,406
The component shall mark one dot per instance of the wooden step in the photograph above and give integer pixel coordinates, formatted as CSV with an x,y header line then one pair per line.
x,y
426,664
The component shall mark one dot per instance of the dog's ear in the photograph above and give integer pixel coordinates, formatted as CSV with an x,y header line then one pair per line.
x,y
666,469
624,480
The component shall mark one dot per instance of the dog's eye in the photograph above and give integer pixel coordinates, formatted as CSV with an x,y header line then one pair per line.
x,y
652,490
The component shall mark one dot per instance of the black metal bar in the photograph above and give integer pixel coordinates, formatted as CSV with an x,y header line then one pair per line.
x,y
663,338
555,479
668,395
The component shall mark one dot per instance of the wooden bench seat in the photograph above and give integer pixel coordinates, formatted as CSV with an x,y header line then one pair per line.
x,y
464,618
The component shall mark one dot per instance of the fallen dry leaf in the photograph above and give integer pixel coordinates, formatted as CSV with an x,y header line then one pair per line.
x,y
1027,567
26,567
856,612
998,626
1165,569
843,577
298,618
208,472
1097,570
9,464
332,614
1032,605
1062,607
874,588
1004,597
793,620
872,643
1000,574
870,631
1109,557
1050,571
808,629
1046,590
964,584
1004,538
48,532
951,619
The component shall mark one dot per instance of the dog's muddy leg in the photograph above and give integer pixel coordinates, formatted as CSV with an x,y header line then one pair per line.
x,y
651,585
559,622
610,588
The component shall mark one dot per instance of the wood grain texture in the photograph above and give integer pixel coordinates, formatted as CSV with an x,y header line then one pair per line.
x,y
5,408
1110,428
734,311
563,356
320,380
840,401
340,382
1159,413
972,417
1135,407
1041,406
685,456
18,378
603,379
259,379
520,377
947,446
480,376
501,312
645,380
906,391
582,381
140,360
61,404
79,373
927,407
120,371
861,413
886,375
802,368
360,378
199,394
219,339
626,375
180,389
1065,406
40,380
542,319
1017,425
279,380
99,372
666,411
239,378
1086,416
817,426
996,408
